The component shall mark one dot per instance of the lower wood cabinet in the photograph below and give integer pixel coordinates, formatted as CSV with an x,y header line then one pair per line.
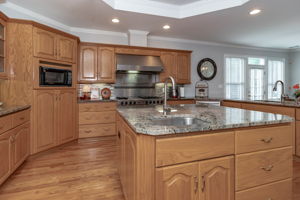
x,y
54,118
204,180
14,145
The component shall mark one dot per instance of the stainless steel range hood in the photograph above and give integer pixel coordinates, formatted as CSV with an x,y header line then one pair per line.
x,y
136,63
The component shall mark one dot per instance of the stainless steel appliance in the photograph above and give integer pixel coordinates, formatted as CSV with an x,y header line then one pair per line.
x,y
142,100
55,77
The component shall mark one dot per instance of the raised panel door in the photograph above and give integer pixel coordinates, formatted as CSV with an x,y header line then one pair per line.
x,y
66,116
183,68
170,65
45,44
5,156
20,145
177,182
45,126
67,49
217,179
106,65
88,70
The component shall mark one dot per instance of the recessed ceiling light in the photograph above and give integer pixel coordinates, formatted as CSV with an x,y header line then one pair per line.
x,y
255,11
115,20
166,27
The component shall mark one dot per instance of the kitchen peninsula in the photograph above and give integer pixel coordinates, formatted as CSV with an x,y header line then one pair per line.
x,y
204,152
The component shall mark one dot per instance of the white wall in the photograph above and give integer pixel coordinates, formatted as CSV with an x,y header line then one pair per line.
x,y
200,49
294,62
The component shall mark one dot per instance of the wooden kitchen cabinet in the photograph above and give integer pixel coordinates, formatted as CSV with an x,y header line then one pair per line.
x,y
176,65
54,118
178,182
97,64
20,145
52,46
217,179
5,156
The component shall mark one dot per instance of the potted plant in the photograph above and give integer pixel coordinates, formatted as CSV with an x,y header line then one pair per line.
x,y
296,87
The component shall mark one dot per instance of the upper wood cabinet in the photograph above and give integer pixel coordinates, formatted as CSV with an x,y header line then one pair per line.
x,y
217,179
52,46
97,64
178,182
176,65
3,67
54,118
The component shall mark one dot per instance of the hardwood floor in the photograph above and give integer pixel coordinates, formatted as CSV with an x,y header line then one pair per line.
x,y
83,170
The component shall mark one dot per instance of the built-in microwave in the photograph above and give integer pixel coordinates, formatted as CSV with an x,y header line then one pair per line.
x,y
55,77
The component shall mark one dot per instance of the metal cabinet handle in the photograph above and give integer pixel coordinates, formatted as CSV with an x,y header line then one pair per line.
x,y
22,118
203,184
268,168
119,134
267,141
196,182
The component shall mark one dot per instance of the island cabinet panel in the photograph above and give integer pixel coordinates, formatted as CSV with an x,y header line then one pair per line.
x,y
263,167
281,190
5,155
217,179
171,151
178,182
262,139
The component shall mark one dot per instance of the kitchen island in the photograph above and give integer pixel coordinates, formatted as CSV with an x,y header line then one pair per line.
x,y
204,152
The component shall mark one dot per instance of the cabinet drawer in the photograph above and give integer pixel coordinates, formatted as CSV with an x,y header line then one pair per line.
x,y
97,107
281,190
97,117
263,139
20,118
86,131
263,167
5,123
171,151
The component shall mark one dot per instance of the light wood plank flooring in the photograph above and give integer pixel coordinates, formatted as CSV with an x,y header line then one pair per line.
x,y
83,170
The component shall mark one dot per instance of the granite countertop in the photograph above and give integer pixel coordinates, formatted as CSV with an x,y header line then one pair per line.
x,y
266,102
6,110
95,100
146,119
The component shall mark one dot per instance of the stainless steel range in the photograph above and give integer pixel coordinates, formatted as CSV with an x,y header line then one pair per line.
x,y
141,100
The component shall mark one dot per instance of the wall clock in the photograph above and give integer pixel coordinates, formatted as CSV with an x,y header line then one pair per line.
x,y
207,69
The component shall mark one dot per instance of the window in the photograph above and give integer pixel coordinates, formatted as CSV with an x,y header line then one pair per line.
x,y
234,78
252,77
275,73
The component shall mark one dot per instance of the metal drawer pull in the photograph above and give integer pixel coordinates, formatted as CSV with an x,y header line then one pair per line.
x,y
203,184
268,169
267,140
22,118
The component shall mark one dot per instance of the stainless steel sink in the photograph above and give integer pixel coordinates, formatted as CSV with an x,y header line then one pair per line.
x,y
176,121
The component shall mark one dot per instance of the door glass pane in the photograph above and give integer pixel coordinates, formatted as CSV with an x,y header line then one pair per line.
x,y
275,73
256,61
256,84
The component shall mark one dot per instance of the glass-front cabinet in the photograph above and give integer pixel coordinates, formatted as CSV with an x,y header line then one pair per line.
x,y
3,72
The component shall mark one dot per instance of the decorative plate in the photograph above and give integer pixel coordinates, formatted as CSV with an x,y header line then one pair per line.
x,y
106,93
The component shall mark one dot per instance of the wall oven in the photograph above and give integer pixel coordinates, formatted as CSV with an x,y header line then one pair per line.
x,y
54,77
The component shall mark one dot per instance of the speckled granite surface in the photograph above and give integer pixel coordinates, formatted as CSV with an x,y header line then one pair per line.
x,y
6,110
146,119
274,103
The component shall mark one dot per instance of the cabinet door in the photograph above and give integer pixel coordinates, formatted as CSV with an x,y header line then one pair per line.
x,y
183,68
67,114
3,70
106,65
45,127
5,156
88,63
45,44
170,65
67,49
20,145
177,182
217,179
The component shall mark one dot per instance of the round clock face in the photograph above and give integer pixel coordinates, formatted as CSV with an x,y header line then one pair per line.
x,y
105,93
207,69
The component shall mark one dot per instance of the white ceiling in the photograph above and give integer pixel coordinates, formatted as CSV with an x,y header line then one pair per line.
x,y
278,26
176,2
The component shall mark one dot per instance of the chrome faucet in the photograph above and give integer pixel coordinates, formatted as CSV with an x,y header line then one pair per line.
x,y
167,109
283,95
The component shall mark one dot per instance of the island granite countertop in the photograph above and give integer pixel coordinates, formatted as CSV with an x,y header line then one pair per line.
x,y
146,119
266,102
6,110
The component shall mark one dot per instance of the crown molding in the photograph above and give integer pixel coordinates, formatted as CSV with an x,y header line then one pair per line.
x,y
97,32
174,11
169,39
